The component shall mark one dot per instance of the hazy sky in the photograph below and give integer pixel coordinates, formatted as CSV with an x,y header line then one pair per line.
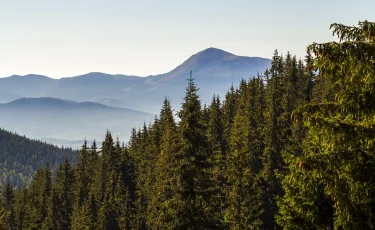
x,y
71,37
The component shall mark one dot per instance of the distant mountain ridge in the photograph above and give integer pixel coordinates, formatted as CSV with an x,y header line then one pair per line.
x,y
214,70
57,103
65,110
63,122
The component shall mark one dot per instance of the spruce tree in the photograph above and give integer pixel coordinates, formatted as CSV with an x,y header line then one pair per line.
x,y
229,111
215,138
128,178
243,193
45,199
107,216
22,209
144,163
64,186
194,160
272,159
38,208
165,204
7,212
83,176
122,204
337,162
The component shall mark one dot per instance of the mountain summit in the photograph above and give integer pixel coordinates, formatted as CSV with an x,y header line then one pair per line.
x,y
215,64
213,53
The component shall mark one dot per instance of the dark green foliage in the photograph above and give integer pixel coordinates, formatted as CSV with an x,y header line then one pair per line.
x,y
274,128
7,212
217,149
331,183
64,191
229,111
21,157
194,162
243,192
166,201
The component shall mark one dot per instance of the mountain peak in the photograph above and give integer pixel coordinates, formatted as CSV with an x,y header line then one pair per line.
x,y
214,64
209,55
213,53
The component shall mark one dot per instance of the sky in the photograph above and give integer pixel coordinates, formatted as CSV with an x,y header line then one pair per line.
x,y
73,37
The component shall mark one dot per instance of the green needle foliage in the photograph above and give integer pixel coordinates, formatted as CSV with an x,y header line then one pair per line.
x,y
331,184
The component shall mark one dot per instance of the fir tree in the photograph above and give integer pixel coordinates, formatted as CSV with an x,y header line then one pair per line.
x,y
243,193
107,217
165,204
64,183
22,209
7,213
272,145
337,160
45,198
215,138
229,111
194,162
83,176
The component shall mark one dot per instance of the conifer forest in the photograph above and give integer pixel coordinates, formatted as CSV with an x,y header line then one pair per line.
x,y
290,148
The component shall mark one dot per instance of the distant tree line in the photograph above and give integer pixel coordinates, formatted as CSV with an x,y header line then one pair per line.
x,y
291,148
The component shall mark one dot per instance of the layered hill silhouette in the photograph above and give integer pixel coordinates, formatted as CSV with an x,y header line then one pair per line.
x,y
214,70
63,122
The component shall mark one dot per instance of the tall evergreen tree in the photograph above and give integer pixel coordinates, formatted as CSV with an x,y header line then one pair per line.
x,y
86,216
128,196
45,199
271,158
122,204
194,160
215,138
229,111
243,193
64,185
7,213
165,204
107,217
337,163
144,165
40,191
83,176
22,209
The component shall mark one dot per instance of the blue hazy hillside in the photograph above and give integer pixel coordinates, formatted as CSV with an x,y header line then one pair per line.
x,y
63,122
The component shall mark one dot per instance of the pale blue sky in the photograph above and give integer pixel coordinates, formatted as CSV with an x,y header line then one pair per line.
x,y
71,37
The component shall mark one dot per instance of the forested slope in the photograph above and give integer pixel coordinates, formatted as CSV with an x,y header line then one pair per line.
x,y
20,157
